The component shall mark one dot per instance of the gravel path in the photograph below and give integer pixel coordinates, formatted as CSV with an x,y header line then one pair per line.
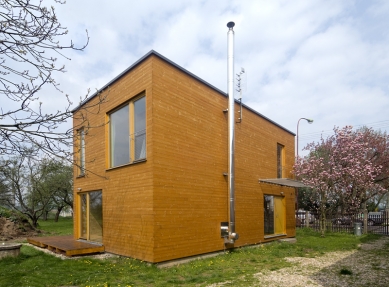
x,y
369,266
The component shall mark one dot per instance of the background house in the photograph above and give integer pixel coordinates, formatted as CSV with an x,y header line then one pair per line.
x,y
150,182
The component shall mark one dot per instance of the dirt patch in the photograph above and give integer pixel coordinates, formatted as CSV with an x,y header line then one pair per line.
x,y
11,230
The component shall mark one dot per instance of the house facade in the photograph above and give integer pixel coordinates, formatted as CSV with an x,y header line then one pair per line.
x,y
152,160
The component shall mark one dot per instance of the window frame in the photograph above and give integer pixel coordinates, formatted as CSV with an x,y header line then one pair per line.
x,y
274,215
131,133
280,160
81,152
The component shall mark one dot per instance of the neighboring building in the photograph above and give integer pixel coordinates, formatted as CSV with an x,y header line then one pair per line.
x,y
151,180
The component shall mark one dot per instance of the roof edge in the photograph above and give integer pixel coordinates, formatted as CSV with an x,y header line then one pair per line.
x,y
283,182
155,53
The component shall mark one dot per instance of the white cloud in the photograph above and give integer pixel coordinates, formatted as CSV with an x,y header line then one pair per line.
x,y
327,60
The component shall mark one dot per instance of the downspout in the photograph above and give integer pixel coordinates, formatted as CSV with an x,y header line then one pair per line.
x,y
232,235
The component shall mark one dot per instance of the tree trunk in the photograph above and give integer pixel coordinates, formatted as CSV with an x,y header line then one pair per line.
x,y
45,215
59,209
34,222
322,219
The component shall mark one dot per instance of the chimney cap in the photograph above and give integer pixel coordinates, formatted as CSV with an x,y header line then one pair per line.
x,y
230,25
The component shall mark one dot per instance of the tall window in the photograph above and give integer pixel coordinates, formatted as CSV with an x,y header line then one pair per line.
x,y
81,163
128,133
280,161
274,215
91,220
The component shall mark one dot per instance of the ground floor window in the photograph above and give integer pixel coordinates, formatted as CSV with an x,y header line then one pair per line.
x,y
91,220
274,215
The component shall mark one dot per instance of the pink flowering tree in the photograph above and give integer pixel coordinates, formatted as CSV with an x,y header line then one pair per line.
x,y
379,154
341,172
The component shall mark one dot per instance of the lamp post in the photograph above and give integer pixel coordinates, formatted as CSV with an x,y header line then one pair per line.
x,y
297,135
310,121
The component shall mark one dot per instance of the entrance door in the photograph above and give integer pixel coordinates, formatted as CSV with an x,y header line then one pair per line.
x,y
91,221
274,215
279,215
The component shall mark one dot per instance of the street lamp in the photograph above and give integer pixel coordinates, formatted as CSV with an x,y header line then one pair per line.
x,y
297,137
310,121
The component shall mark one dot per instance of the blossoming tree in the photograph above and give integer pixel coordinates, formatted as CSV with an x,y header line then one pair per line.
x,y
341,171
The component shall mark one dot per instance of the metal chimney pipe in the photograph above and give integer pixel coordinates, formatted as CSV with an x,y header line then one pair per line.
x,y
231,132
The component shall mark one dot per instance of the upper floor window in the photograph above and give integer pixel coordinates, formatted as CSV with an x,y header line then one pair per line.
x,y
81,159
128,133
280,161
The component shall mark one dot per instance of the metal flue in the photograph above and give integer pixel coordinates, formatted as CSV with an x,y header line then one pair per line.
x,y
231,133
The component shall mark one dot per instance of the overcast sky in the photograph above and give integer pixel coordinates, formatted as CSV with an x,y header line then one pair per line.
x,y
325,60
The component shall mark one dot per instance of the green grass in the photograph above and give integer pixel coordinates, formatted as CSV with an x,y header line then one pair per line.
x,y
64,226
35,268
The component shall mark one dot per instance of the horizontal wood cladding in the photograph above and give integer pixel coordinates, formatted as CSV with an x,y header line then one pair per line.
x,y
171,205
127,191
190,157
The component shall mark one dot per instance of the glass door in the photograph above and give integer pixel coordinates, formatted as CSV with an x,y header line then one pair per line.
x,y
91,220
274,215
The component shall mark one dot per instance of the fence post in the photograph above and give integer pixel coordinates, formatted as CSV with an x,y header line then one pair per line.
x,y
306,218
365,221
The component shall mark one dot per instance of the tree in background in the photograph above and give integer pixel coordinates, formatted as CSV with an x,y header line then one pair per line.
x,y
379,154
29,51
33,187
341,171
60,184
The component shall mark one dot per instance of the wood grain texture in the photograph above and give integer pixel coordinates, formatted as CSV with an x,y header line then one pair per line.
x,y
171,205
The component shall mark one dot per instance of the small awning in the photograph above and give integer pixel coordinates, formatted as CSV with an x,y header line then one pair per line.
x,y
283,181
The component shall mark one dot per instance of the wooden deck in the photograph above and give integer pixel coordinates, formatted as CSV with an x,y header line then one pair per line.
x,y
66,245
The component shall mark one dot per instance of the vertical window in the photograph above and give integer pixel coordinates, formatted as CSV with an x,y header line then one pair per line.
x,y
280,161
139,129
91,220
120,137
81,163
128,133
268,214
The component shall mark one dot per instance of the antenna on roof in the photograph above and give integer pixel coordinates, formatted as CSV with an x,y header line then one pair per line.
x,y
239,89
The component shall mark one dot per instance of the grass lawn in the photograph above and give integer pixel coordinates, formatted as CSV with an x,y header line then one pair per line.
x,y
35,268
64,226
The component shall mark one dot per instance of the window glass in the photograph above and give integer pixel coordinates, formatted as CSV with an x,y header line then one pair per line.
x,y
91,221
128,133
280,167
140,129
82,152
268,214
119,137
95,216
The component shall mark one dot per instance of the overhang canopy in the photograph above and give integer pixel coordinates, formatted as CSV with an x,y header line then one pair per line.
x,y
283,181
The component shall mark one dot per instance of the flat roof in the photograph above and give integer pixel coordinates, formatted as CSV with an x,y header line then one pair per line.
x,y
152,52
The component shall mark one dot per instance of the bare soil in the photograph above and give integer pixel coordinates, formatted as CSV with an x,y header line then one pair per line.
x,y
15,231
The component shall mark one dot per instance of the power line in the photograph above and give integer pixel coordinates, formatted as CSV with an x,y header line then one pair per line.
x,y
381,125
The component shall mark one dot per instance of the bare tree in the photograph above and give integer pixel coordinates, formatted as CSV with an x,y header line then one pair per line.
x,y
26,189
60,183
29,52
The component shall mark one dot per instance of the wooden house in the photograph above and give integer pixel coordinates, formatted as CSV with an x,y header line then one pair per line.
x,y
151,176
